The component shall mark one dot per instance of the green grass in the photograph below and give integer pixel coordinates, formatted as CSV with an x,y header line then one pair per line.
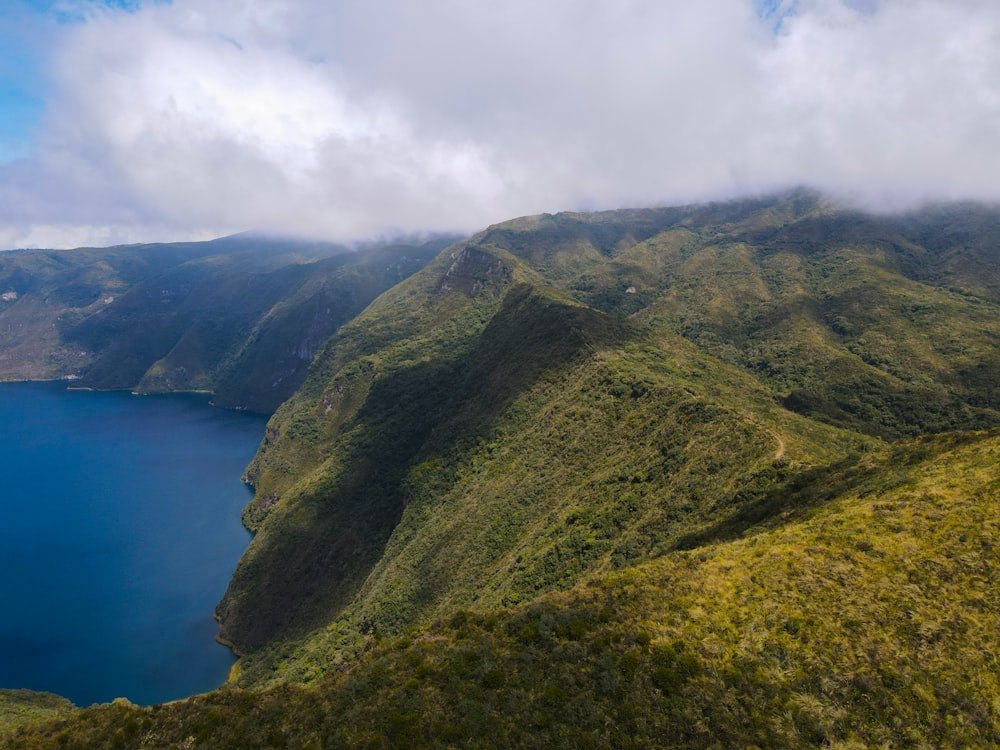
x,y
24,708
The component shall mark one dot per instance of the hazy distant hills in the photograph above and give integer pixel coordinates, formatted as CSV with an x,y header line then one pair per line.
x,y
241,316
711,476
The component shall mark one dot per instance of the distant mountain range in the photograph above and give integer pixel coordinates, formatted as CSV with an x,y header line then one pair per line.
x,y
241,316
721,475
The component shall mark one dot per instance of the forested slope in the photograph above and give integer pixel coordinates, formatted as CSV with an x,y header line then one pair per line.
x,y
241,317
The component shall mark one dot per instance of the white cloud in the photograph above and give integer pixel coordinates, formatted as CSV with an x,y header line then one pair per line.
x,y
355,118
894,105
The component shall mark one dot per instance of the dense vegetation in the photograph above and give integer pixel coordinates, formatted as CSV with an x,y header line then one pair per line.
x,y
715,476
19,708
866,615
241,317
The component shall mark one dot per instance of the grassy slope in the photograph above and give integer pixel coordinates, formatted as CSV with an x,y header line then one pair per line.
x,y
845,316
868,619
22,708
497,427
687,409
241,317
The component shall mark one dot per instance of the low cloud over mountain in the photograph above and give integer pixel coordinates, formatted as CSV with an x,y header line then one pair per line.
x,y
355,119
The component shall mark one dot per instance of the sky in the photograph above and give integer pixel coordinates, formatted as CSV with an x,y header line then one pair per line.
x,y
141,120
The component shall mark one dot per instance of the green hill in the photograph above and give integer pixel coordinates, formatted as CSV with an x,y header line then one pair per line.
x,y
240,317
712,476
863,615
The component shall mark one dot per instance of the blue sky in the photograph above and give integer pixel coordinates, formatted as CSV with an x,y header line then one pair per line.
x,y
28,31
127,121
24,28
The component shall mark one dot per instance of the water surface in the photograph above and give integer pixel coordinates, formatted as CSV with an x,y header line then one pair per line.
x,y
119,530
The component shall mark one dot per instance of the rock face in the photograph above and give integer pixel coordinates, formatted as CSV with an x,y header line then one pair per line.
x,y
472,270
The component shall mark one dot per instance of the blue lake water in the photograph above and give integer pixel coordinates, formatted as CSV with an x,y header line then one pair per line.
x,y
119,530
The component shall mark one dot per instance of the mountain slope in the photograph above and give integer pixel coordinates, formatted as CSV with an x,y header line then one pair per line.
x,y
717,475
497,427
241,317
862,621
846,315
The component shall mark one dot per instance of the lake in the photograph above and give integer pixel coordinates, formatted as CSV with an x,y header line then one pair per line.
x,y
119,530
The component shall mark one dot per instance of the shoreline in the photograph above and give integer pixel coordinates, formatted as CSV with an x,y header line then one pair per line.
x,y
234,671
222,640
228,670
69,379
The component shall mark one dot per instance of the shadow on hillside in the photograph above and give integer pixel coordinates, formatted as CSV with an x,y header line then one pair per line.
x,y
859,474
785,502
319,560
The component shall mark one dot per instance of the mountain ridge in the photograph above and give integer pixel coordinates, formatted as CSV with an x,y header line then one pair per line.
x,y
681,477
240,317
